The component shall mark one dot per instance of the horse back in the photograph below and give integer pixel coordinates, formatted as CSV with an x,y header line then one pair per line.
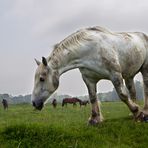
x,y
123,52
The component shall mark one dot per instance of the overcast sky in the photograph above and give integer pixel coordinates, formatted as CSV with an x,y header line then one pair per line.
x,y
29,29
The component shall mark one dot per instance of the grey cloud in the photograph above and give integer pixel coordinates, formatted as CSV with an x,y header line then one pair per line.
x,y
29,28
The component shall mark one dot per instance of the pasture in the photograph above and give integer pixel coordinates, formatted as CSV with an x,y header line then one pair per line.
x,y
23,127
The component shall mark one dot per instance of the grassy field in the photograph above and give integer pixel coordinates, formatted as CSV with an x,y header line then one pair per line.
x,y
22,127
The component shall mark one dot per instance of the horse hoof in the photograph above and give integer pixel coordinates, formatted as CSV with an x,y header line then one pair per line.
x,y
142,117
93,122
146,119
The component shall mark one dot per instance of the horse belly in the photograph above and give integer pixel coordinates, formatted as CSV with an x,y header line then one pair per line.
x,y
95,75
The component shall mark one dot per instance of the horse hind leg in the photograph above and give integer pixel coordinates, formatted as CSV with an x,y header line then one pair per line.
x,y
74,104
131,88
145,82
117,81
80,104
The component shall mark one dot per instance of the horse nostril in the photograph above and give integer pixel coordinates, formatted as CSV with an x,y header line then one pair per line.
x,y
42,79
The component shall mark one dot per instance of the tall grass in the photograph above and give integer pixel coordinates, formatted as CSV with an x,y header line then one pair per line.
x,y
23,127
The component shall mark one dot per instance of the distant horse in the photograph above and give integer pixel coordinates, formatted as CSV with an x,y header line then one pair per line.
x,y
54,103
99,54
85,102
70,101
5,104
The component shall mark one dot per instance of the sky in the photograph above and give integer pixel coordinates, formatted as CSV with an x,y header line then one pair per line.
x,y
30,28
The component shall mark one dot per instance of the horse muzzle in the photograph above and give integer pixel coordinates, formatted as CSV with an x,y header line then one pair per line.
x,y
38,104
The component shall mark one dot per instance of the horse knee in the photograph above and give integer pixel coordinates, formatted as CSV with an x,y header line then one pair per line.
x,y
122,95
118,83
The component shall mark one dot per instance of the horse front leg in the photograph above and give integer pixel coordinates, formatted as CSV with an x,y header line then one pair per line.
x,y
63,104
96,116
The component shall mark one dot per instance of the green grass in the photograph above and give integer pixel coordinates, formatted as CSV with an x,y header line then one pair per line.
x,y
22,127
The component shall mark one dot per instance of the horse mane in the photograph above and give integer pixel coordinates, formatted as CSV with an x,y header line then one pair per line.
x,y
75,40
69,43
78,37
99,29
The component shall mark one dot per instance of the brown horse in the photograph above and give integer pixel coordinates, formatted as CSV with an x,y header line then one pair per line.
x,y
70,101
54,103
5,104
85,102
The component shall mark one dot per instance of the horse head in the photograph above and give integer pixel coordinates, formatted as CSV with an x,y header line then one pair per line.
x,y
46,81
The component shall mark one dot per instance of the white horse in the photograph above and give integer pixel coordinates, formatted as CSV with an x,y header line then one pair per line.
x,y
99,54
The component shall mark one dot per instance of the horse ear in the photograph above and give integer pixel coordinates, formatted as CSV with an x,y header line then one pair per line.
x,y
44,61
37,62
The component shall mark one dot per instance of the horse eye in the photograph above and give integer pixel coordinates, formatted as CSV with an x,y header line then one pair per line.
x,y
42,79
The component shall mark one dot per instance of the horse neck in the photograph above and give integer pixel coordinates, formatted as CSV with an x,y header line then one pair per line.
x,y
65,60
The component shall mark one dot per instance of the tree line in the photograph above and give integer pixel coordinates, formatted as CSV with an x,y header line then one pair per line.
x,y
108,96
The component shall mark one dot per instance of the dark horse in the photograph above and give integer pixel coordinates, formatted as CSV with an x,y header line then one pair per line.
x,y
54,103
71,101
5,104
85,102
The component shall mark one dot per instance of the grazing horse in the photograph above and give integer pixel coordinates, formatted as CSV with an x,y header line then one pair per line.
x,y
70,101
5,104
98,54
54,103
85,102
